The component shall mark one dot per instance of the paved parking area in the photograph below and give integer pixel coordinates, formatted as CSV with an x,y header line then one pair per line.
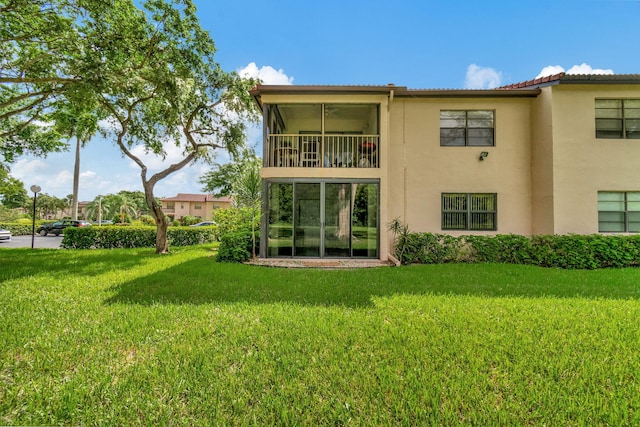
x,y
50,242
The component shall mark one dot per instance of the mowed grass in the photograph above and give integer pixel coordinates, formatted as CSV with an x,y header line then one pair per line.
x,y
125,337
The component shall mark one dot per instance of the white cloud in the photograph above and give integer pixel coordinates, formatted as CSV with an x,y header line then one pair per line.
x,y
63,178
267,74
482,77
25,168
550,70
583,68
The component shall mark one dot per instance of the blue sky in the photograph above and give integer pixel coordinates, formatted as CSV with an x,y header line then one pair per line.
x,y
418,44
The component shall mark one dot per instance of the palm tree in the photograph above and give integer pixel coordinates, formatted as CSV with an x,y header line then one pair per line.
x,y
81,124
94,209
120,204
247,189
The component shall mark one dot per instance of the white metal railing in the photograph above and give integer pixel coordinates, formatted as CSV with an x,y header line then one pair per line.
x,y
318,151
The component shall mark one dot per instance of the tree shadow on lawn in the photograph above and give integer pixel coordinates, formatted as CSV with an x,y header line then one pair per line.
x,y
25,262
204,281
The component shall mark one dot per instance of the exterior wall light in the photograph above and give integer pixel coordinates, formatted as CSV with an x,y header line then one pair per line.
x,y
483,155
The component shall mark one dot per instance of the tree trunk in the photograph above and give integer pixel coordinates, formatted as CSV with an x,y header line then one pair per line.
x,y
162,243
76,181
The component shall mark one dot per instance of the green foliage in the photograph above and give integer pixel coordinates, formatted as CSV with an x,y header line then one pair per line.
x,y
148,66
222,180
48,206
110,237
9,215
190,220
147,220
12,191
559,251
16,229
234,220
118,207
235,247
428,248
506,248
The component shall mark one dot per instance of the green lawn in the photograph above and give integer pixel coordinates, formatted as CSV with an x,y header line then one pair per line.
x,y
126,337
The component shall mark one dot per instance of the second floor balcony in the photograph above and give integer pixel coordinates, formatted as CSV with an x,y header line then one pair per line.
x,y
317,151
322,135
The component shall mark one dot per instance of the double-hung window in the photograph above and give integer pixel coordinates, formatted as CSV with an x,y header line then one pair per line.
x,y
460,128
618,118
619,211
469,211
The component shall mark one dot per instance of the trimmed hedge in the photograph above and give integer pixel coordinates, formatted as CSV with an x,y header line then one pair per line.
x,y
110,237
560,251
17,229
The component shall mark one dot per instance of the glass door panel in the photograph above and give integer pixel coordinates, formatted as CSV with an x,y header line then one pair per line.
x,y
365,220
280,226
337,220
307,223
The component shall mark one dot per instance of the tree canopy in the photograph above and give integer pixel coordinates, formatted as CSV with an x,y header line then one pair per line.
x,y
150,69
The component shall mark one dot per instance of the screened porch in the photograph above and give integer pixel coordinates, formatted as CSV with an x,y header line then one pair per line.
x,y
322,135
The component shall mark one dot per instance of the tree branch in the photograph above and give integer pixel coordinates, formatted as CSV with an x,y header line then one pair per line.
x,y
22,80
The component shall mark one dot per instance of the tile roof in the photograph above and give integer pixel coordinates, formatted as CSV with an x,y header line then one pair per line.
x,y
186,197
563,78
534,82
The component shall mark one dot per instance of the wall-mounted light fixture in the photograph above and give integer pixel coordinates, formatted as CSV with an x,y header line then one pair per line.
x,y
484,155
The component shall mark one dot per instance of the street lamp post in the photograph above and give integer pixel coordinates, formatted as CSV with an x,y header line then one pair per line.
x,y
36,189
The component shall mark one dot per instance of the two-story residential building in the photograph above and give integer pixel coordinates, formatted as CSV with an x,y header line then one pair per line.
x,y
554,155
197,205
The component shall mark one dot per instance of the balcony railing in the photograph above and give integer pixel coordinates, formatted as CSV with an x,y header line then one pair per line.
x,y
318,151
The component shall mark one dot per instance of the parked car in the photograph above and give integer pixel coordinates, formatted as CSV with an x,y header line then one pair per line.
x,y
202,224
5,234
103,222
57,228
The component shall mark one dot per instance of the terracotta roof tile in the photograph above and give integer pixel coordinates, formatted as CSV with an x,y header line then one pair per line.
x,y
186,197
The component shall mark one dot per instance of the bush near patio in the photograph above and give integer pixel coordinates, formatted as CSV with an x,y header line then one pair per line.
x,y
561,251
234,220
110,237
236,247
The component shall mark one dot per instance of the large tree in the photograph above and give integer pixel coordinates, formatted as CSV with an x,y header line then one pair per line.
x,y
151,69
40,54
175,92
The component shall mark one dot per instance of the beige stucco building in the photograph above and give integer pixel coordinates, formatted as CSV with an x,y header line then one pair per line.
x,y
196,205
554,155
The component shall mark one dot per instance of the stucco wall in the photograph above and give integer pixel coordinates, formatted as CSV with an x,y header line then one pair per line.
x,y
421,170
542,176
583,164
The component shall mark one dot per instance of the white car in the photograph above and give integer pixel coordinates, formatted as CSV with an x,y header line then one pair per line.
x,y
5,234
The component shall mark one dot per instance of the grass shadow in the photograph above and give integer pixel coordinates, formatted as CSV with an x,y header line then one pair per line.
x,y
204,281
25,262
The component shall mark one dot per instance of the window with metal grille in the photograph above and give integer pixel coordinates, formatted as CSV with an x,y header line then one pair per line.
x,y
619,211
618,118
467,128
469,211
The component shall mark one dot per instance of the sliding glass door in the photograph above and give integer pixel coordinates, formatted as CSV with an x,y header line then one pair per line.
x,y
306,217
322,219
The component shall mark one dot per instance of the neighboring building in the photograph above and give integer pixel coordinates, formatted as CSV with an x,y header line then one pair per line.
x,y
197,205
549,156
